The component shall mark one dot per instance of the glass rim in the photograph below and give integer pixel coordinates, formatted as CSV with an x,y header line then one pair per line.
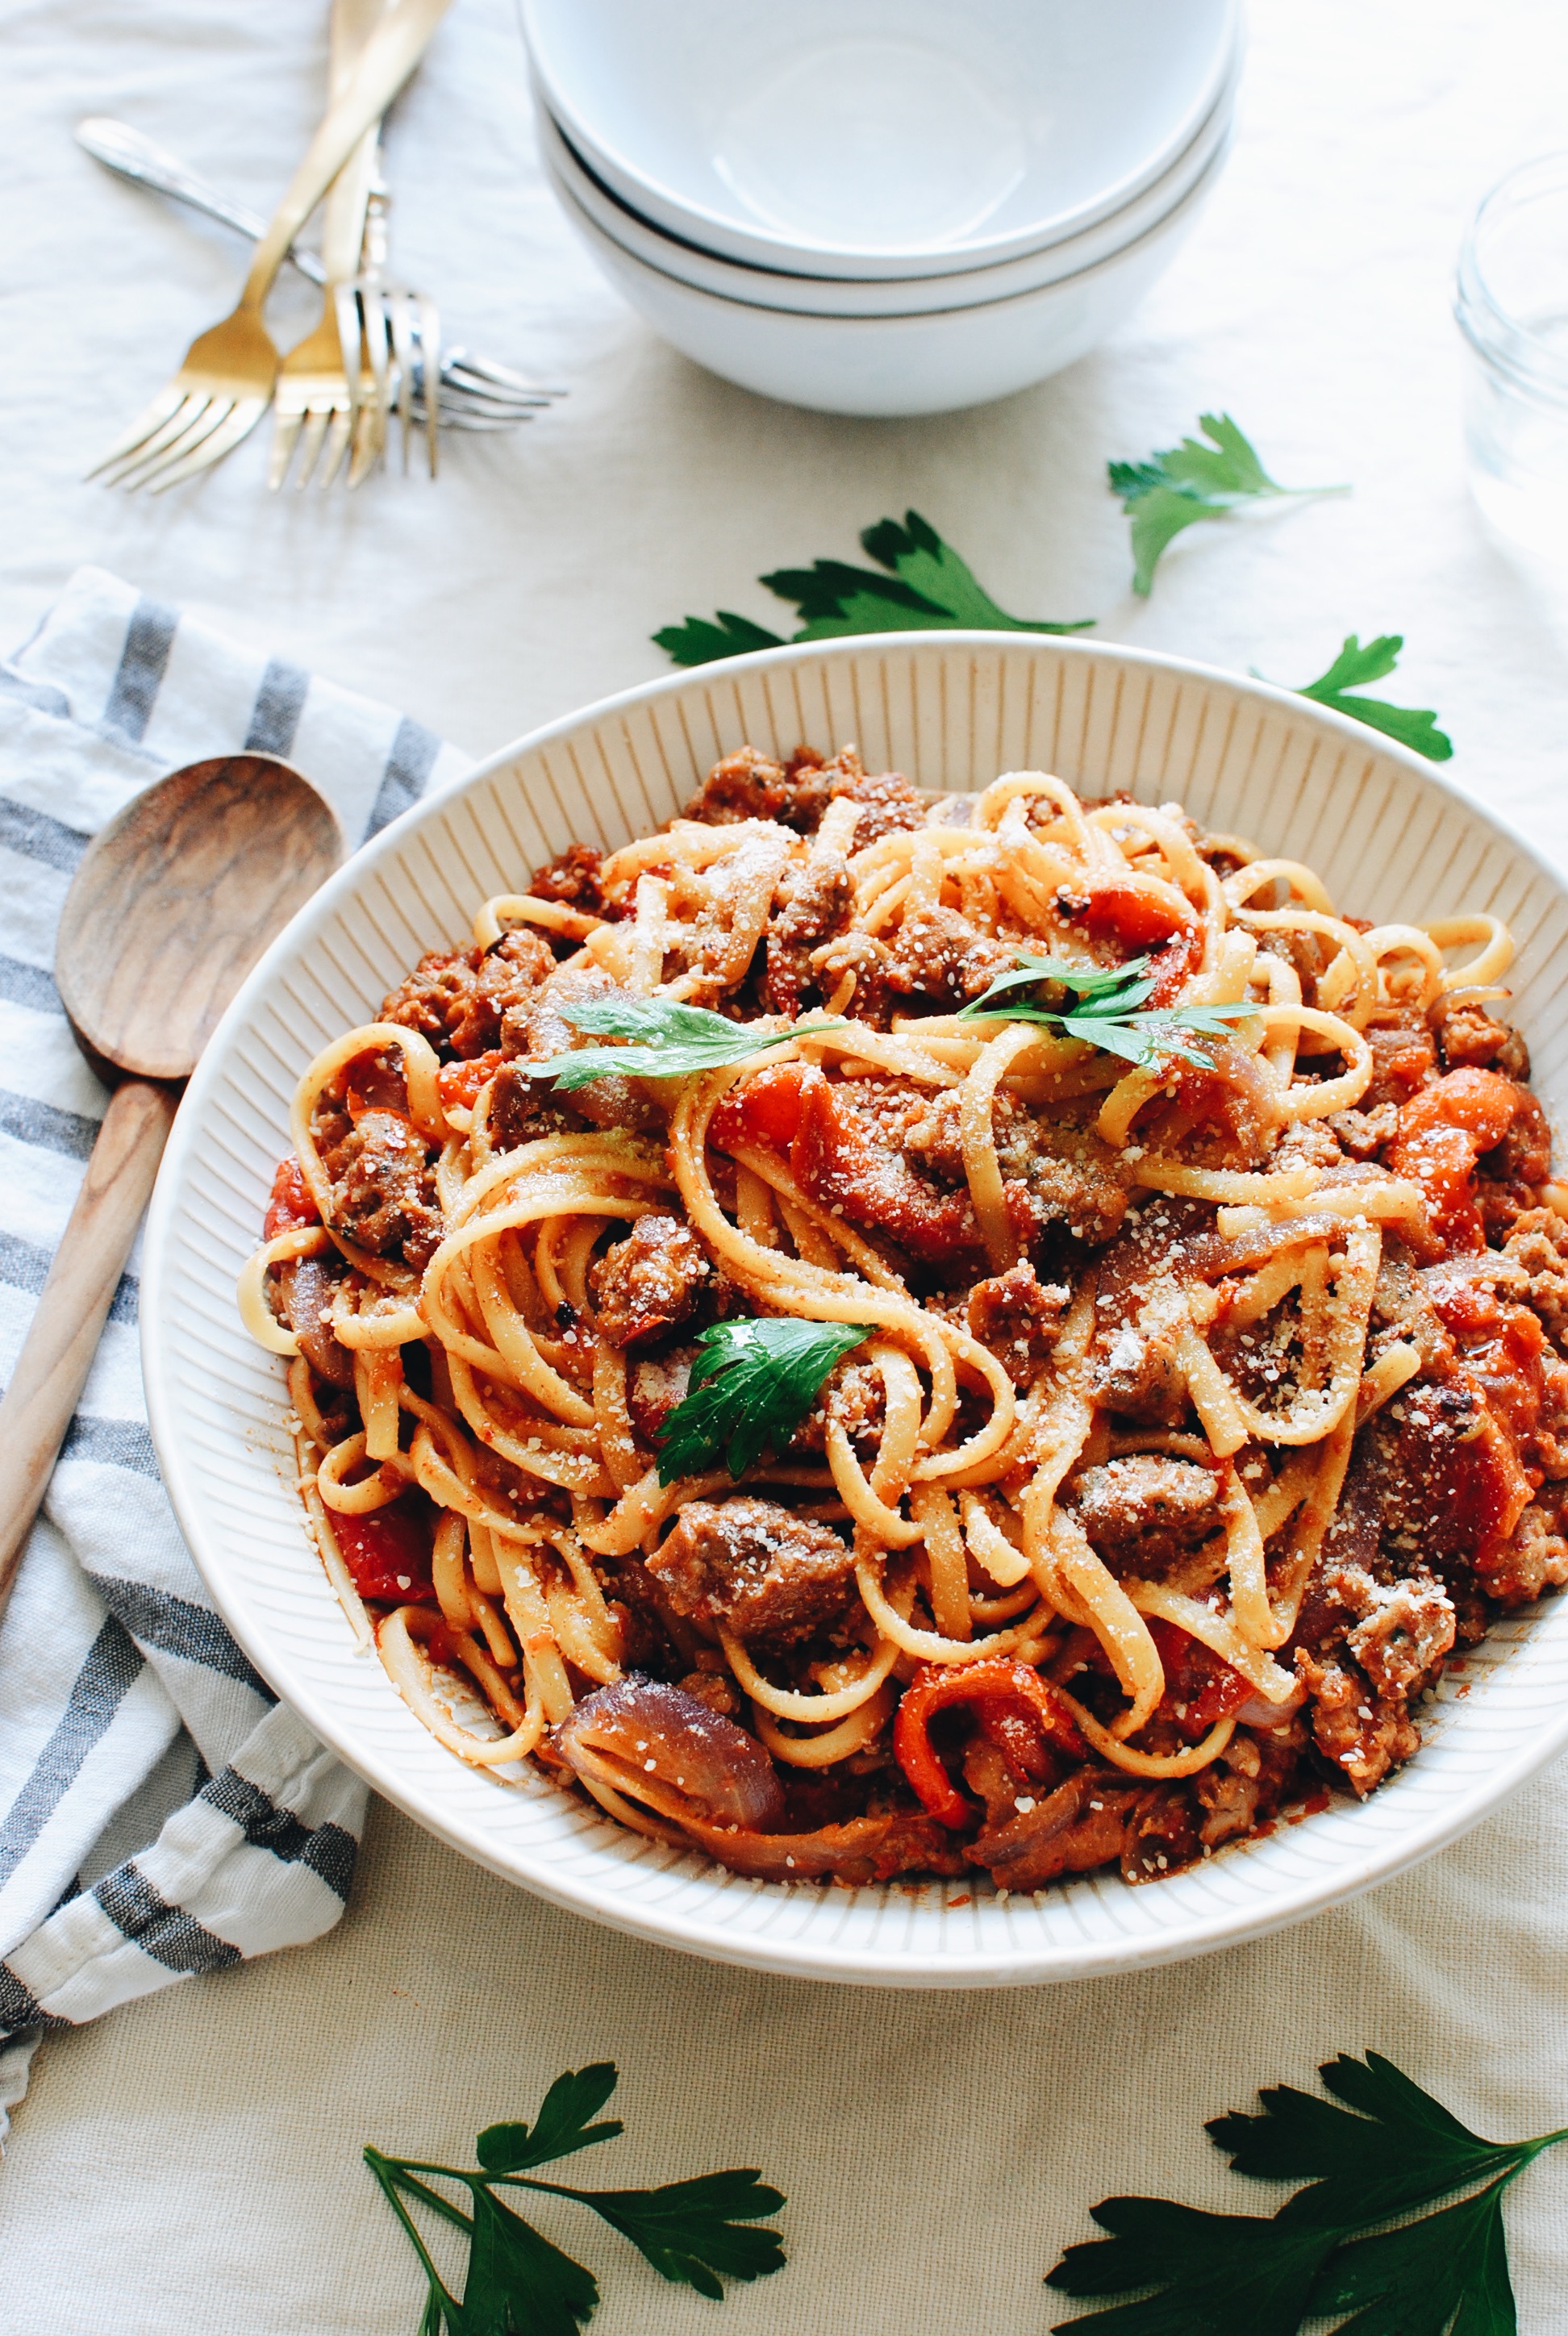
x,y
1498,336
1544,389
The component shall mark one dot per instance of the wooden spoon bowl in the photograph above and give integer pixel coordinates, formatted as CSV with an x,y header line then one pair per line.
x,y
173,904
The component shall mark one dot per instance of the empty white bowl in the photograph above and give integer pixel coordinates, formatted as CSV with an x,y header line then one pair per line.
x,y
890,295
877,138
886,366
1390,838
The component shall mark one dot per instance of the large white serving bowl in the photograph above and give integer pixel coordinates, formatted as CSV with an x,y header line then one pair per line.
x,y
879,137
767,287
928,362
1391,839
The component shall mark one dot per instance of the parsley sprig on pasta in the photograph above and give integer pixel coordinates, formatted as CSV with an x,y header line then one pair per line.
x,y
1107,1009
752,1385
672,1041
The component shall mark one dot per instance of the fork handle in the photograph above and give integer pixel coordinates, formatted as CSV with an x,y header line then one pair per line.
x,y
388,58
62,1336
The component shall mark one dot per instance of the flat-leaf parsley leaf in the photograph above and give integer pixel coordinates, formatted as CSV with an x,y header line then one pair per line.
x,y
669,1041
752,1385
926,587
698,2232
1393,2149
1175,489
1413,725
1108,1010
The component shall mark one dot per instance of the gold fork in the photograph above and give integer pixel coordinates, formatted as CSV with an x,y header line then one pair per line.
x,y
226,382
318,404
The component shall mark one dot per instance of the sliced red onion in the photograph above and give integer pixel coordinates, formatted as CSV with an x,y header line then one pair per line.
x,y
657,1744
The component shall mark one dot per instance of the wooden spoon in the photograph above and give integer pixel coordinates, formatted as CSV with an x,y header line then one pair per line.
x,y
172,906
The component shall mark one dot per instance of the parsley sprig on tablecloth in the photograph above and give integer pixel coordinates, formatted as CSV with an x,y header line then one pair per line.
x,y
698,2232
1173,489
1389,2151
924,586
1412,726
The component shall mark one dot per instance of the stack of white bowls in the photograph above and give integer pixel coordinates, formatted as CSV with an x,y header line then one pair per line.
x,y
884,206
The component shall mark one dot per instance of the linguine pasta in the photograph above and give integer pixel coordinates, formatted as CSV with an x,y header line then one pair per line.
x,y
1203,1403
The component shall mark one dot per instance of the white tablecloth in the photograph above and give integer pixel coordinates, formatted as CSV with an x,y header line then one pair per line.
x,y
193,2160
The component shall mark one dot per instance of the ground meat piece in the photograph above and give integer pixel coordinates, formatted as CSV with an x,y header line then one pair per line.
x,y
1547,1448
1525,1155
1160,1835
742,785
1363,1134
1135,1373
1070,1830
750,786
535,1029
1500,1205
940,955
889,806
433,996
718,1693
854,1394
1536,1559
650,1282
1301,950
572,879
1147,1508
517,1106
1404,1054
1052,1176
814,905
1404,1632
1364,1733
1019,1317
1539,1242
383,1189
1468,1036
457,997
1229,1802
773,1578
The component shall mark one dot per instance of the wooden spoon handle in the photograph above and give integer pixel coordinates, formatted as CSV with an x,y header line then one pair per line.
x,y
58,1350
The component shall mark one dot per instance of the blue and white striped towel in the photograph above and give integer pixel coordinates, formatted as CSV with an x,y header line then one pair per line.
x,y
161,1814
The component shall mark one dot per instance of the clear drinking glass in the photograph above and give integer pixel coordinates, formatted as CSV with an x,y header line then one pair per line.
x,y
1510,301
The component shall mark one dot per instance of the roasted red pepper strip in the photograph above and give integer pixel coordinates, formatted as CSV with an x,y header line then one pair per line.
x,y
387,1550
291,1205
1199,1686
936,1685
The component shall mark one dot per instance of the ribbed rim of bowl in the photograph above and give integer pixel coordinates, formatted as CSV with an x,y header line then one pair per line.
x,y
789,292
720,1916
700,225
1170,222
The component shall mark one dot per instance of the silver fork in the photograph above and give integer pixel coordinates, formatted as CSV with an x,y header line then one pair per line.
x,y
395,322
476,392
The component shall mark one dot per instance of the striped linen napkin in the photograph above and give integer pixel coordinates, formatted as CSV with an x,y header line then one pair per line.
x,y
161,1812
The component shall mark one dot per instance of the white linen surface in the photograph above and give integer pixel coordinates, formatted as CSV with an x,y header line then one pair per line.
x,y
194,2158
